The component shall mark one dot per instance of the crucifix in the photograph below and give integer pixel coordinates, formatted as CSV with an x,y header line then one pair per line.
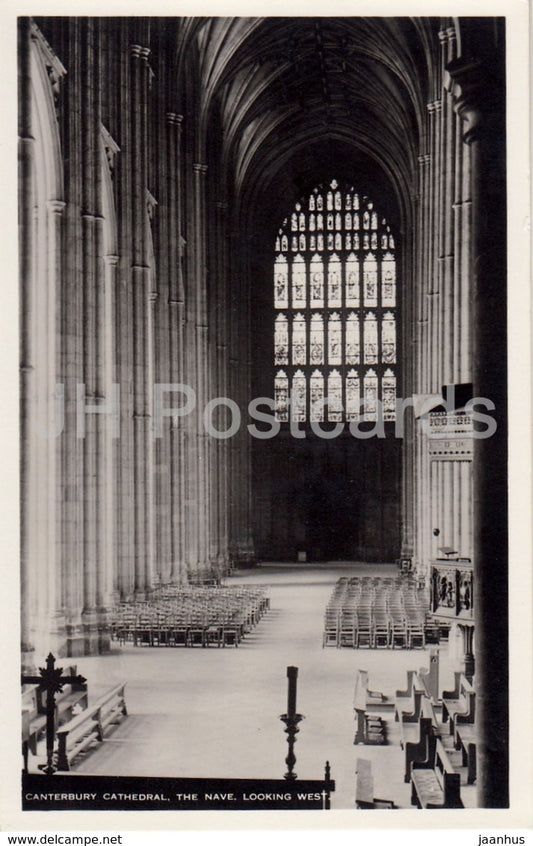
x,y
51,680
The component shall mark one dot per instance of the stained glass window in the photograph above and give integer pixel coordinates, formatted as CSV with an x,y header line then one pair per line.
x,y
371,394
370,279
317,395
281,288
281,341
299,283
371,338
317,282
299,339
334,282
352,395
388,284
388,338
335,409
352,281
299,396
351,354
281,395
389,395
335,298
316,347
334,339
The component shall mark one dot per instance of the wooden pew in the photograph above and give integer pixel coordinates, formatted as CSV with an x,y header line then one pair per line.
x,y
364,788
434,783
71,698
465,734
408,692
90,726
430,677
424,747
369,729
33,724
408,707
459,705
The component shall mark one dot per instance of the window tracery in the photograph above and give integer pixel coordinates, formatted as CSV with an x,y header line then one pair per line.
x,y
335,330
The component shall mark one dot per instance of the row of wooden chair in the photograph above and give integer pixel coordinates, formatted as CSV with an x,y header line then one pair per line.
x,y
191,616
376,613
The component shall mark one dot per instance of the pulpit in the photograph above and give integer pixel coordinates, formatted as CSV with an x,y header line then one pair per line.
x,y
452,600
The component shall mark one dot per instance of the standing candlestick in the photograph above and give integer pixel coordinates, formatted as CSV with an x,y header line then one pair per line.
x,y
291,720
292,675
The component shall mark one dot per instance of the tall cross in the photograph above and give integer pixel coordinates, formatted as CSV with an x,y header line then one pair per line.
x,y
51,680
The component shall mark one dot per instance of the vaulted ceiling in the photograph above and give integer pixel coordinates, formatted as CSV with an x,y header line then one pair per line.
x,y
294,98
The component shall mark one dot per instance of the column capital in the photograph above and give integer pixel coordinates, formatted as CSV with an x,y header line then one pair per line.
x,y
91,216
56,206
174,119
434,106
425,159
139,52
220,204
111,260
199,168
447,35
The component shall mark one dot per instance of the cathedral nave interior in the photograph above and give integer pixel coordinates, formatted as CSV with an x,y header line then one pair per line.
x,y
307,210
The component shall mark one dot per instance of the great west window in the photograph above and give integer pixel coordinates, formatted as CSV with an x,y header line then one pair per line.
x,y
335,309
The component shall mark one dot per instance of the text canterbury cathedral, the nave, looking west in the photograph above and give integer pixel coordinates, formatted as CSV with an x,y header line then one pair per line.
x,y
263,359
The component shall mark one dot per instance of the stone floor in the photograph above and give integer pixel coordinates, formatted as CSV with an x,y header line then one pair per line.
x,y
215,712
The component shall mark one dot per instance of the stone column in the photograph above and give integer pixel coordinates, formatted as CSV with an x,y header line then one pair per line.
x,y
25,151
420,470
110,586
424,276
234,342
176,323
479,88
55,404
457,505
448,504
222,358
240,446
93,395
164,237
466,508
202,365
446,246
434,351
142,353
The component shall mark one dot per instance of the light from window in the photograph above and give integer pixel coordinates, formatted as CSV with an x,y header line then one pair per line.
x,y
335,332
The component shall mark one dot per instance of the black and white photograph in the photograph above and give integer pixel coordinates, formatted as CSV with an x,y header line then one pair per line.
x,y
265,447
